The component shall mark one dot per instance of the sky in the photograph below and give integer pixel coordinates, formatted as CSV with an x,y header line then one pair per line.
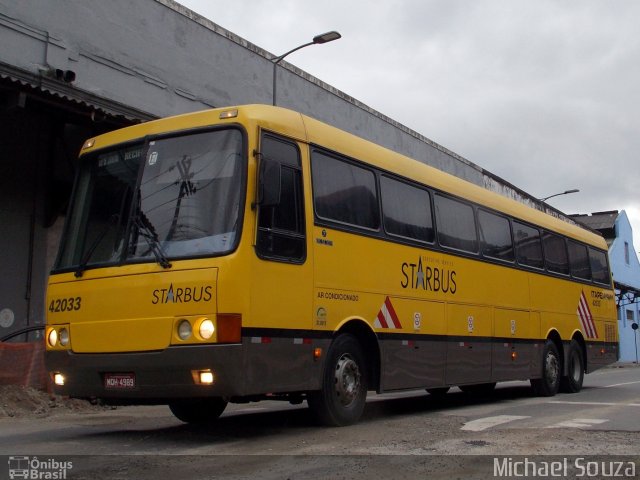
x,y
543,93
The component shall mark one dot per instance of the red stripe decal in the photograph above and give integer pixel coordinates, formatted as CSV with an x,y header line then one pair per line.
x,y
381,319
392,313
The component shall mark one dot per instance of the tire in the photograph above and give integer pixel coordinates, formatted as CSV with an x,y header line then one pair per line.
x,y
343,395
572,382
479,388
438,392
198,411
549,384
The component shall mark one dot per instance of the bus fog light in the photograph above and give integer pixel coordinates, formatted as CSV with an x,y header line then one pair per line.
x,y
206,378
58,379
184,330
64,337
52,338
207,329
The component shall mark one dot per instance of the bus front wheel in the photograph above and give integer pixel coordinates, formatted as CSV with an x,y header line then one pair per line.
x,y
198,410
549,383
572,383
343,394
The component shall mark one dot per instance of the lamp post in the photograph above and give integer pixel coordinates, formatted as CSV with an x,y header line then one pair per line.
x,y
566,192
318,39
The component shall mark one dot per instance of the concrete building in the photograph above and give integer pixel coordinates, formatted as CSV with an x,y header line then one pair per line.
x,y
616,229
70,69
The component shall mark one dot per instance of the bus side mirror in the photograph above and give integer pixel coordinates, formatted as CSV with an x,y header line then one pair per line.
x,y
269,183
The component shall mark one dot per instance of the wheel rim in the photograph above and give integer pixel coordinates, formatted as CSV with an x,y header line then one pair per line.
x,y
347,379
552,369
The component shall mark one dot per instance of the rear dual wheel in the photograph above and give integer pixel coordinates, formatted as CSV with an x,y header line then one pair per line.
x,y
572,382
549,383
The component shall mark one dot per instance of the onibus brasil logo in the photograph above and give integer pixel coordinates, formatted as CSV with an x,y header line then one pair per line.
x,y
36,469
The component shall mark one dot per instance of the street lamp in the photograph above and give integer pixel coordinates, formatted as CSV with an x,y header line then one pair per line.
x,y
566,192
318,39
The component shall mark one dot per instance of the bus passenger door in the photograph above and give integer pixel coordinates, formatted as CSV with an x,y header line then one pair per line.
x,y
281,276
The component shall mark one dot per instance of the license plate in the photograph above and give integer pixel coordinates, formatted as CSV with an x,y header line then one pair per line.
x,y
119,381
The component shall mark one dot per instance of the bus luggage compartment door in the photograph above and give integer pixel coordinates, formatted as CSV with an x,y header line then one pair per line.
x,y
469,333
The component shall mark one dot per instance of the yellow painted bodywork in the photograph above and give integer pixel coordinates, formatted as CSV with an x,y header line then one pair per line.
x,y
344,276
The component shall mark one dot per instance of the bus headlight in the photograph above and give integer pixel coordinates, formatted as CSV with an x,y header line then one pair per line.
x,y
63,337
52,338
207,329
184,330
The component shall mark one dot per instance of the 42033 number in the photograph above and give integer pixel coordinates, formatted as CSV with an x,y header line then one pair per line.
x,y
65,304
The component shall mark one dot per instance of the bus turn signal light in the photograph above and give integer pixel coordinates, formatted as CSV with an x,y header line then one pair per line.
x,y
229,327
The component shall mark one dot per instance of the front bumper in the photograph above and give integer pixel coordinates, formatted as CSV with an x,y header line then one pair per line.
x,y
159,376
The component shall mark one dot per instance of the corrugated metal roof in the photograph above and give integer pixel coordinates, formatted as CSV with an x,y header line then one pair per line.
x,y
68,93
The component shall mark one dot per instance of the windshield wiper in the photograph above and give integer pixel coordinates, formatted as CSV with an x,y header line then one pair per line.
x,y
148,232
113,219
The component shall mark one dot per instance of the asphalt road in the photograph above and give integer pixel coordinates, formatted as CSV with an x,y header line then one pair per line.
x,y
402,435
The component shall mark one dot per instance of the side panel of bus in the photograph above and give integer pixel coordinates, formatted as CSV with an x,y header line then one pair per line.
x,y
428,338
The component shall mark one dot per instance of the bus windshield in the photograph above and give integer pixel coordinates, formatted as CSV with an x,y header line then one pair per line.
x,y
186,202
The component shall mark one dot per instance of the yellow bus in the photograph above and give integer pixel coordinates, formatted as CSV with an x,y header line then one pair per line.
x,y
252,252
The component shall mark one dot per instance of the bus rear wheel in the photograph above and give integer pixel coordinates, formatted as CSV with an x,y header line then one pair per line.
x,y
198,410
343,394
572,383
549,383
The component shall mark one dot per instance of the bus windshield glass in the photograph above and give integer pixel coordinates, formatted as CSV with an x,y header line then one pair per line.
x,y
185,203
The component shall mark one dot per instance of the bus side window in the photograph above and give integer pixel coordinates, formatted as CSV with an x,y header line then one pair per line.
x,y
344,192
281,229
555,253
528,245
456,224
579,260
406,210
599,266
495,236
